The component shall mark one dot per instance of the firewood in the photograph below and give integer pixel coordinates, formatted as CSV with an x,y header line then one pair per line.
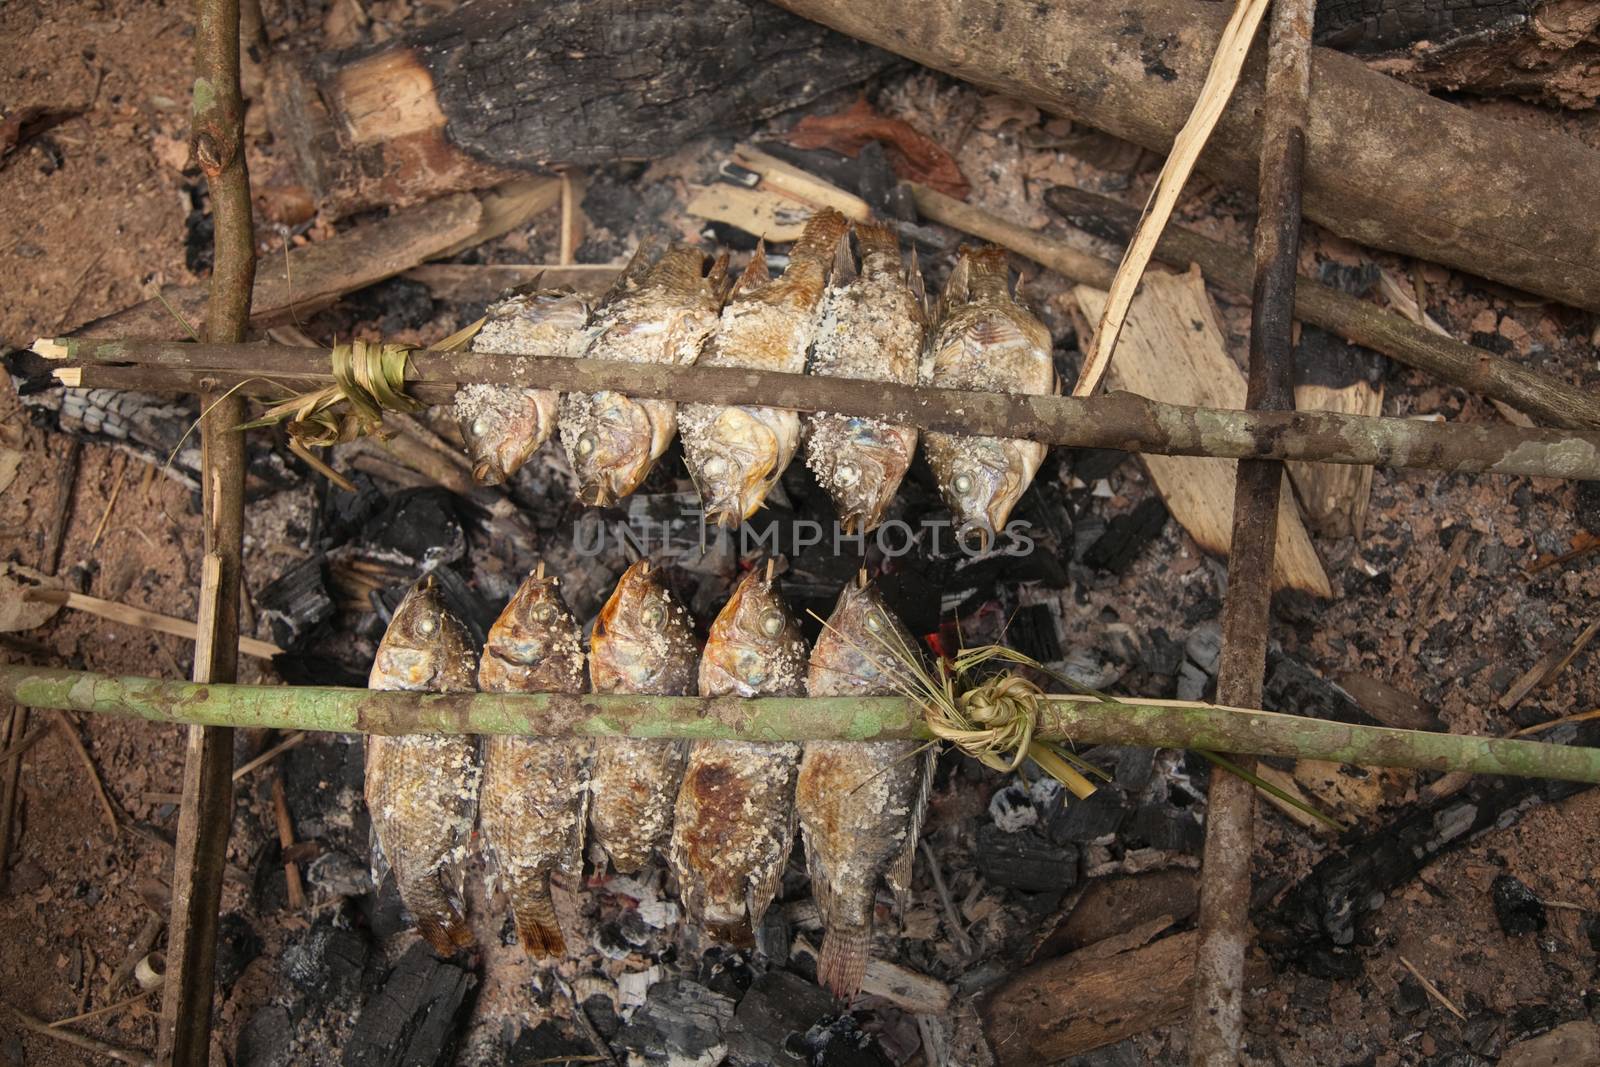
x,y
1386,164
1171,347
511,86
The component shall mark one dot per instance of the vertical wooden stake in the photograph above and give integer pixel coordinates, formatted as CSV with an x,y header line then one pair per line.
x,y
217,141
1216,1021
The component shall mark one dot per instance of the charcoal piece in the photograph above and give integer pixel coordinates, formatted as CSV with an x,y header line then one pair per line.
x,y
679,1021
343,514
420,525
1011,808
1483,1035
1135,765
546,1043
601,1011
1123,1054
1295,689
1586,506
842,1043
326,962
1127,535
1531,1020
1027,861
725,972
237,946
296,602
1160,653
1326,961
415,1017
1033,632
772,1018
877,180
1092,464
1410,997
1519,910
1169,829
266,1040
1082,821
199,231
398,304
1591,930
1203,647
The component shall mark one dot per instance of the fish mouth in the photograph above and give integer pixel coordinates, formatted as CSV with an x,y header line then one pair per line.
x,y
487,472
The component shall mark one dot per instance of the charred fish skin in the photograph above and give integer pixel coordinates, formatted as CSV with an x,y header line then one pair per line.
x,y
503,425
860,805
612,440
643,643
422,790
986,341
872,327
535,790
734,822
736,454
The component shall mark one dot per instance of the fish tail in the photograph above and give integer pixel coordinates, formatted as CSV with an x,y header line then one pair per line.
x,y
818,241
438,920
842,961
535,913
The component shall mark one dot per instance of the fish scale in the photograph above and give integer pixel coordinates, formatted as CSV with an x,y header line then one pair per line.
x,y
532,806
734,822
872,327
422,789
988,342
644,643
860,804
736,454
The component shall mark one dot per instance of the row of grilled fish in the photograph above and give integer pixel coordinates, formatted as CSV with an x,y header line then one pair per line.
x,y
826,314
723,812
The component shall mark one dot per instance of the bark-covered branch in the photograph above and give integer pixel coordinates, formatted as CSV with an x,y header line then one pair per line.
x,y
1150,723
1118,420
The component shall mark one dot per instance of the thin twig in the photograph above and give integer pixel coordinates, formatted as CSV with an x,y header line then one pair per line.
x,y
16,750
285,826
109,1008
39,1026
1433,990
952,918
10,775
111,503
129,615
61,509
70,727
269,755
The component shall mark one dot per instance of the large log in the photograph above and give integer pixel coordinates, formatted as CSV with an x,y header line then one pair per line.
x,y
1386,164
505,86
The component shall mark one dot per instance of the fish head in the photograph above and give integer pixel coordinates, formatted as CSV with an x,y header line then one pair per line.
x,y
860,462
980,485
862,646
755,645
503,427
534,644
643,640
609,443
425,648
734,465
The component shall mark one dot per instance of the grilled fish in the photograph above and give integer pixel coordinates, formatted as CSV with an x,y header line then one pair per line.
x,y
986,341
643,642
535,789
736,454
422,789
613,440
734,822
872,327
504,425
860,804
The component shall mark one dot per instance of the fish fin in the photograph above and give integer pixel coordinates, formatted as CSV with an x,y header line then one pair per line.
x,y
844,262
717,278
756,273
816,242
899,874
955,290
817,872
842,960
535,913
633,271
766,880
919,288
437,915
379,867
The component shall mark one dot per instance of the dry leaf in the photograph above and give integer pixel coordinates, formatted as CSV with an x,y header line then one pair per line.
x,y
914,155
16,613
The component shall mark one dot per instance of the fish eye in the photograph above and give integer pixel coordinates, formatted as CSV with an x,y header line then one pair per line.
x,y
962,484
715,466
427,624
846,475
874,622
772,623
480,426
544,612
653,615
756,676
585,444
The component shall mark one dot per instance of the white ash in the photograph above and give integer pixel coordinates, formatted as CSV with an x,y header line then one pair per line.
x,y
1012,808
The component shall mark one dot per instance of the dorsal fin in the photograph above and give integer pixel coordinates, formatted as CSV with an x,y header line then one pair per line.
x,y
634,270
919,288
755,274
717,277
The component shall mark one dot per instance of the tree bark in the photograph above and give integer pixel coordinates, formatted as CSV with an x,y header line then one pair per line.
x,y
503,86
1386,164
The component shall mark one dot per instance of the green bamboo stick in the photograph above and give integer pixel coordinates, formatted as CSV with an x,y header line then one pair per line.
x,y
1086,720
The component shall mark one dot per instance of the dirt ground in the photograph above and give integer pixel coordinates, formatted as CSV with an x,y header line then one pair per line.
x,y
98,213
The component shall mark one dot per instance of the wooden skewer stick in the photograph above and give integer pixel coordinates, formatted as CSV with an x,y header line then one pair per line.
x,y
132,616
90,1044
291,869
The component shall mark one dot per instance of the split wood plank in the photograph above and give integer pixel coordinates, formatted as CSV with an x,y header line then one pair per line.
x,y
1173,349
